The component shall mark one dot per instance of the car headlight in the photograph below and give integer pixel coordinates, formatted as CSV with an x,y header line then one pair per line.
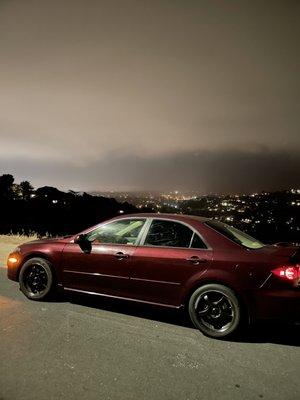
x,y
14,257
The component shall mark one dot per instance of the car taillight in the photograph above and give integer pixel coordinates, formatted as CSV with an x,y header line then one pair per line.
x,y
289,272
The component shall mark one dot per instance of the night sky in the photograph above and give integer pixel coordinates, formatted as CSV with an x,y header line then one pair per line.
x,y
155,95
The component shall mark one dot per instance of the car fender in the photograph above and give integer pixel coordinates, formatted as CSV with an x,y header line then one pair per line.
x,y
53,256
224,277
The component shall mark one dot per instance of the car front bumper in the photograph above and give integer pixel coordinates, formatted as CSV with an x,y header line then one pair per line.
x,y
14,262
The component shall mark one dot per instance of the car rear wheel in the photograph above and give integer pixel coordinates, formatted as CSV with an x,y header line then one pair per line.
x,y
215,310
36,279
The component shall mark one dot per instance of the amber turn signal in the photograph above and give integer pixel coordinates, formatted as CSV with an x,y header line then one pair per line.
x,y
12,260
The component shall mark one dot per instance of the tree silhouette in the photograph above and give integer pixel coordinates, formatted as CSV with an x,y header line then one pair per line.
x,y
51,211
6,186
25,189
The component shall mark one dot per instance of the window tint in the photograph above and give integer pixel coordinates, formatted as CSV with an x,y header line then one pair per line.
x,y
197,243
168,233
124,231
236,235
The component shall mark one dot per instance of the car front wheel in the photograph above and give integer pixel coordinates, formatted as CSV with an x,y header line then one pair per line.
x,y
215,310
36,279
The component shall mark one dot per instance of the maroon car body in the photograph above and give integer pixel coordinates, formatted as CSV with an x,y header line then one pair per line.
x,y
167,275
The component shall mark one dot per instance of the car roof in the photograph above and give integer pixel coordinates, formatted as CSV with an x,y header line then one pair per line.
x,y
179,217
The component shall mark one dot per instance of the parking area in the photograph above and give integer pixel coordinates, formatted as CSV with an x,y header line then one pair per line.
x,y
90,348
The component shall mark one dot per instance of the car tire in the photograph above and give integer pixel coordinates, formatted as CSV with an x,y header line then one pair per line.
x,y
36,279
215,310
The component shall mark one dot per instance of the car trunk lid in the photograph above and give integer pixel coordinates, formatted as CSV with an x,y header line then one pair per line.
x,y
282,252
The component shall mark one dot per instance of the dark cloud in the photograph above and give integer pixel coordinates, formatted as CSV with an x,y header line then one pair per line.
x,y
123,93
202,171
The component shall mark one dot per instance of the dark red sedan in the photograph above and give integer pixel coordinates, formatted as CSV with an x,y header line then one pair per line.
x,y
223,276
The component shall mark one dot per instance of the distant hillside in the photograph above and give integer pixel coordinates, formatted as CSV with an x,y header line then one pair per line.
x,y
49,211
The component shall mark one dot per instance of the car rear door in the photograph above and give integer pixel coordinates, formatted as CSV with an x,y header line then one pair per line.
x,y
165,261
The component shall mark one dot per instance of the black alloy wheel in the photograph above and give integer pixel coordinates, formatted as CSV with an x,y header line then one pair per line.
x,y
215,310
36,279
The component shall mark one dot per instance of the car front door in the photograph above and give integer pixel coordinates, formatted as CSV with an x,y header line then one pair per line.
x,y
170,253
106,269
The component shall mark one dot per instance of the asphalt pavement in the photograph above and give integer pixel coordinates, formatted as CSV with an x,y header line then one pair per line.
x,y
80,347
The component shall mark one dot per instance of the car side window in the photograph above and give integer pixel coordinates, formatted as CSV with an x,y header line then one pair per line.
x,y
197,243
168,233
125,231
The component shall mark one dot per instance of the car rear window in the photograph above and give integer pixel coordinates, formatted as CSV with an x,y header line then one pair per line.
x,y
165,233
168,234
236,235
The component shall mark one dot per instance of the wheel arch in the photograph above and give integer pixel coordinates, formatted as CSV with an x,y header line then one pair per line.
x,y
37,254
218,281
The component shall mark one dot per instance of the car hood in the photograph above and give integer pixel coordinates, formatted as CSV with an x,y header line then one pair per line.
x,y
62,239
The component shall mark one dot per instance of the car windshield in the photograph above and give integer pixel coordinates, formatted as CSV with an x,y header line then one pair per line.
x,y
236,235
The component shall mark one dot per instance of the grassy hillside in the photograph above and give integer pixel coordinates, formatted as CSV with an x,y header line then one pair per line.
x,y
8,243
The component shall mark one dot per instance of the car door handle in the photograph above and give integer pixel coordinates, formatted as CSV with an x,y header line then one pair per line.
x,y
120,256
196,260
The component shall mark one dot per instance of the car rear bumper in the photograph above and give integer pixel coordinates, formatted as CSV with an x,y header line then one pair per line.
x,y
277,304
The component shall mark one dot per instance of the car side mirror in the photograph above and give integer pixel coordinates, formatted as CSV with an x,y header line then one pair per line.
x,y
83,243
